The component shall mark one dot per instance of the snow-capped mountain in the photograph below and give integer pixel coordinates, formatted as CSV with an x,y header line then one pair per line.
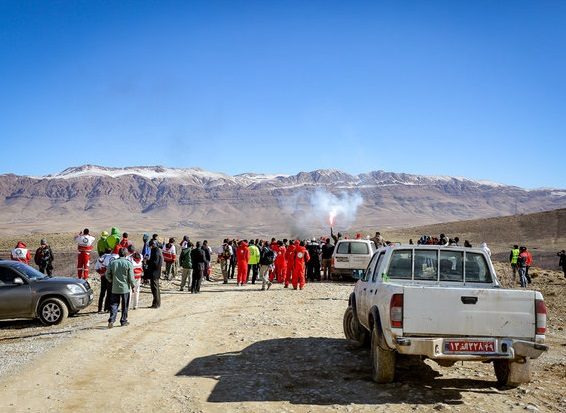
x,y
217,204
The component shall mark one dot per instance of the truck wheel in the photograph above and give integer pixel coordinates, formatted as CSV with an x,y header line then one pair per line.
x,y
52,311
353,330
382,359
512,373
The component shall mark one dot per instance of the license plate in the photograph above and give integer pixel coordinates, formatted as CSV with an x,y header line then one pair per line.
x,y
469,346
342,259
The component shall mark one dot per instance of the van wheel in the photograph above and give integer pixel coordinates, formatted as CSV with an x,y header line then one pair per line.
x,y
353,330
52,311
383,360
512,373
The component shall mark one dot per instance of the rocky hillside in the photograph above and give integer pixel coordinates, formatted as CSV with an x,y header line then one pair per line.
x,y
207,203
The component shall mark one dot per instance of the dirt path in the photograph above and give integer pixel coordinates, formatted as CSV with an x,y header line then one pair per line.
x,y
240,349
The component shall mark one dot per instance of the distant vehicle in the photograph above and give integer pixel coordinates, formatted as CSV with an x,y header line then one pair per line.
x,y
446,304
27,293
351,256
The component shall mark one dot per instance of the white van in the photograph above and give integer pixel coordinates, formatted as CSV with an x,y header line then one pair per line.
x,y
350,255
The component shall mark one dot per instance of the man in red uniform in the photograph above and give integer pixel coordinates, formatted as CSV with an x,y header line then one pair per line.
x,y
85,242
21,253
242,257
280,262
290,259
301,258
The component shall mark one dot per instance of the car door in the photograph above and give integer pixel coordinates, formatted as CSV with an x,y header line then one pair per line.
x,y
15,299
363,284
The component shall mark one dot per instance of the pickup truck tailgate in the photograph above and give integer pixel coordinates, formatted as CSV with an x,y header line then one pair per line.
x,y
468,312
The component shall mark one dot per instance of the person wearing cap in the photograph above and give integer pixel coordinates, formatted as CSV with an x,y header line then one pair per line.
x,y
43,258
102,243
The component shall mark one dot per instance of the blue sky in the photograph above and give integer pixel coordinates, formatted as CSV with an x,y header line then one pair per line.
x,y
473,89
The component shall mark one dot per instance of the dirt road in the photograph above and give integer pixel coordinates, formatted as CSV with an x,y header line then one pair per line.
x,y
240,349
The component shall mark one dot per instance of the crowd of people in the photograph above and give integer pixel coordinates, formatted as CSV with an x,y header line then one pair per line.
x,y
123,268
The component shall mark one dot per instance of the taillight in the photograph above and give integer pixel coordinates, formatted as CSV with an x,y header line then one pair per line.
x,y
396,311
541,317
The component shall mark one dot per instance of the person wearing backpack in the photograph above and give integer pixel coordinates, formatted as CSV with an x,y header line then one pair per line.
x,y
266,260
44,258
224,257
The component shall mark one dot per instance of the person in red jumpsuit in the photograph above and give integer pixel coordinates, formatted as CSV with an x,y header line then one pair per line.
x,y
21,253
242,257
289,259
85,242
280,263
301,258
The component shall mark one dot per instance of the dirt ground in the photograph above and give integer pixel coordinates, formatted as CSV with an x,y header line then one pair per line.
x,y
239,349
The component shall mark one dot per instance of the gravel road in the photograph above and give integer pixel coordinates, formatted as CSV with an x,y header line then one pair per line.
x,y
241,349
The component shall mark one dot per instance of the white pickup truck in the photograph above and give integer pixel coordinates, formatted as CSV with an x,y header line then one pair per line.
x,y
446,304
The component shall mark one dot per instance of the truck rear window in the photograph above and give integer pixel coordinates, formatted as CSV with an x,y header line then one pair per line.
x,y
401,265
477,270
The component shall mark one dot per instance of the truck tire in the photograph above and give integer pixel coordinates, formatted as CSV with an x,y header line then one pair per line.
x,y
353,330
52,311
383,360
512,373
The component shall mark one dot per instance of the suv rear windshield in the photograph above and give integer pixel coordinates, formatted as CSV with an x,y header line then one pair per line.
x,y
352,248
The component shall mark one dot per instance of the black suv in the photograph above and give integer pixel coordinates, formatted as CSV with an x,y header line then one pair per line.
x,y
27,293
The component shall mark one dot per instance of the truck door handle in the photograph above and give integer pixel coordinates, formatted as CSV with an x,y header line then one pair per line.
x,y
371,291
365,289
469,300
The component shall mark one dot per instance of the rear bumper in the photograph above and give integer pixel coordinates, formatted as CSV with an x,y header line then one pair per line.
x,y
435,348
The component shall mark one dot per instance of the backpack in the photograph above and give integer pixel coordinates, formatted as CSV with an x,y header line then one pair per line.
x,y
268,256
226,253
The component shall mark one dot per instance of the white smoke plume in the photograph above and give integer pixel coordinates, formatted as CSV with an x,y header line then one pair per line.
x,y
311,212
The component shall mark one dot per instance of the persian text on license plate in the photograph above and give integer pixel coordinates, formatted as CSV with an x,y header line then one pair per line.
x,y
465,346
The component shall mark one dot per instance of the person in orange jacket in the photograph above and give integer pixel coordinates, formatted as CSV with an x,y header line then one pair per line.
x,y
242,257
301,258
529,262
280,262
289,260
21,253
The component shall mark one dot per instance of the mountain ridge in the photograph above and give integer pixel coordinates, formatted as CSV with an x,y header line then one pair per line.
x,y
141,197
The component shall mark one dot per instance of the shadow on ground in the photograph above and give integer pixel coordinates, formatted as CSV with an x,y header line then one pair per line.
x,y
321,371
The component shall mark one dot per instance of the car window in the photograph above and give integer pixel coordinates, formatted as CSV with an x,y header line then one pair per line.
x,y
426,265
359,248
376,268
30,272
370,268
451,266
401,264
343,248
476,268
7,276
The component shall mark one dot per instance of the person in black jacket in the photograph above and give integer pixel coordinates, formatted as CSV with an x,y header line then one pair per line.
x,y
562,262
154,272
327,250
313,266
198,259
